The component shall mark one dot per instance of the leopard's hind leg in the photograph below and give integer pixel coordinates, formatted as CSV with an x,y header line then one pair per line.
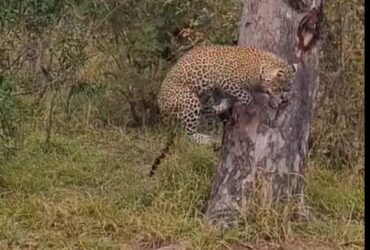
x,y
190,116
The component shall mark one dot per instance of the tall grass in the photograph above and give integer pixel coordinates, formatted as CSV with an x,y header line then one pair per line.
x,y
91,190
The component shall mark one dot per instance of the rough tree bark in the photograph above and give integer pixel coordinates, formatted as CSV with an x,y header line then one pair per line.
x,y
263,149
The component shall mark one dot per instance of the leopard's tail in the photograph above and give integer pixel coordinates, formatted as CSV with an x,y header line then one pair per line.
x,y
160,157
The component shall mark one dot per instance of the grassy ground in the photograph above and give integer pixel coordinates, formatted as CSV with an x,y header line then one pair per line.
x,y
89,190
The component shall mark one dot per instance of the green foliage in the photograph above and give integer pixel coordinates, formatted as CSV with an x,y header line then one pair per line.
x,y
128,44
35,14
9,118
338,129
152,28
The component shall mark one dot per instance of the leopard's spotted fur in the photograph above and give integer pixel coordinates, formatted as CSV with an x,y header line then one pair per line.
x,y
233,70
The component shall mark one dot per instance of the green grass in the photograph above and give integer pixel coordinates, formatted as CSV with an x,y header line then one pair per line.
x,y
90,190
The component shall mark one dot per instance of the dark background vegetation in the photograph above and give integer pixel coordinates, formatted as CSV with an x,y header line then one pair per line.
x,y
73,71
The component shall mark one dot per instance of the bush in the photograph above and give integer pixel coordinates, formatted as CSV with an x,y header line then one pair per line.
x,y
9,119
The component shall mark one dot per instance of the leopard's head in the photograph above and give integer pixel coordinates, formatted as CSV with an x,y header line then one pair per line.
x,y
277,77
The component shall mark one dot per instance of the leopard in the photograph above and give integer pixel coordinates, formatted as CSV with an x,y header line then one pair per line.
x,y
234,70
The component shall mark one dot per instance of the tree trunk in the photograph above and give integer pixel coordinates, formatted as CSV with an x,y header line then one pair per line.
x,y
263,150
